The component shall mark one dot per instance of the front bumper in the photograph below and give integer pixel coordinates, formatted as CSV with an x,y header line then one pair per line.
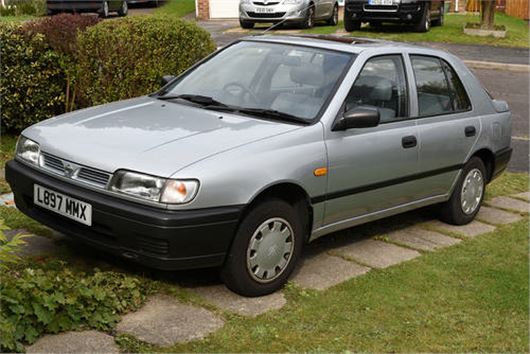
x,y
406,12
287,13
75,6
159,238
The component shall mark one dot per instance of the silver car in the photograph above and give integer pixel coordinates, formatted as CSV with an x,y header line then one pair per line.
x,y
302,12
268,144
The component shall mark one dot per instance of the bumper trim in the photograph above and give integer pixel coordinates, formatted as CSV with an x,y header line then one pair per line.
x,y
159,238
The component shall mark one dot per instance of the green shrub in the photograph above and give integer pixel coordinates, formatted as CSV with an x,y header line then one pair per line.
x,y
32,84
55,299
127,57
26,7
9,247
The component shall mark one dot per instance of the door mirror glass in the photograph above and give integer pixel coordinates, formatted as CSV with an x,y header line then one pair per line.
x,y
166,79
358,117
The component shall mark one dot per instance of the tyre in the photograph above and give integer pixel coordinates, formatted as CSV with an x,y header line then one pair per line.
x,y
124,9
309,21
265,250
467,196
350,24
424,24
334,19
246,24
104,12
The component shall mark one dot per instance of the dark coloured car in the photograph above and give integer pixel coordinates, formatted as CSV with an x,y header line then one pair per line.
x,y
421,14
102,7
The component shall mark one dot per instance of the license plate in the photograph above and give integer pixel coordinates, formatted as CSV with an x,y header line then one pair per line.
x,y
380,2
264,10
63,204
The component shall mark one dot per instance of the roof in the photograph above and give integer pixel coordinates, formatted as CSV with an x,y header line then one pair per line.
x,y
347,44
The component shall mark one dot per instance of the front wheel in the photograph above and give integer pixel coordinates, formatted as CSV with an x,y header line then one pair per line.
x,y
265,250
467,196
424,24
441,20
104,12
350,24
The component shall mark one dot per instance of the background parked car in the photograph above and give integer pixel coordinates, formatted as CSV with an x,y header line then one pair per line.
x,y
102,7
304,12
422,14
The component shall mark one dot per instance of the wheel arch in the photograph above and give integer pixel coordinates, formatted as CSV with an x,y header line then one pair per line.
x,y
488,158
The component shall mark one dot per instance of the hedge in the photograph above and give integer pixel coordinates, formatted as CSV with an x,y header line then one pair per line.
x,y
32,84
126,58
109,61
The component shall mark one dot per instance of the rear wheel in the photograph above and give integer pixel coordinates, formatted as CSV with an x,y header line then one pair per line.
x,y
334,19
104,12
350,24
246,24
424,24
265,250
440,20
124,9
467,196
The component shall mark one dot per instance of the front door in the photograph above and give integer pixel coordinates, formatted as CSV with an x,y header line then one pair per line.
x,y
370,168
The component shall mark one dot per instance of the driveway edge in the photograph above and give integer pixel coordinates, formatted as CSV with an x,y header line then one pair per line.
x,y
475,64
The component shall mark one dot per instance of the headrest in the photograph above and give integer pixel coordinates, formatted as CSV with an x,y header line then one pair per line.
x,y
309,74
380,88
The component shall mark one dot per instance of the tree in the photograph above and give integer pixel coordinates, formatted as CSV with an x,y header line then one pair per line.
x,y
487,14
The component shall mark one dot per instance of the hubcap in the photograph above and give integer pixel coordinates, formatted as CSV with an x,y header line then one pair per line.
x,y
106,9
270,250
124,7
472,190
335,15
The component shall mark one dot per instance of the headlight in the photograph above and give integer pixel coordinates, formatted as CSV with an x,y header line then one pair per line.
x,y
152,188
245,2
28,150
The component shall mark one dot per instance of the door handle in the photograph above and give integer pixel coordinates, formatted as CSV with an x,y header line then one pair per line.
x,y
470,131
409,142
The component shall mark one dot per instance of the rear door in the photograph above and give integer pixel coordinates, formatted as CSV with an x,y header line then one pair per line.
x,y
447,127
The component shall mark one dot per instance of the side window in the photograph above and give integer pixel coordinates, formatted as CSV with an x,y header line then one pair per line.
x,y
440,91
460,98
382,84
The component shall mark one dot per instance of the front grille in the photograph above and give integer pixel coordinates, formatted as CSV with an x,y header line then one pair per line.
x,y
266,15
152,245
53,162
380,8
93,176
260,3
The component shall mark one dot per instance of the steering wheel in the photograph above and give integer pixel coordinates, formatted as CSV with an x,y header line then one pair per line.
x,y
243,91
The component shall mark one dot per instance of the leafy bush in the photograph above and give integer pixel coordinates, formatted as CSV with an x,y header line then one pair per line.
x,y
24,7
32,84
61,33
9,248
126,58
54,299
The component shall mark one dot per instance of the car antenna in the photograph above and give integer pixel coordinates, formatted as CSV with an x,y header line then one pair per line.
x,y
283,21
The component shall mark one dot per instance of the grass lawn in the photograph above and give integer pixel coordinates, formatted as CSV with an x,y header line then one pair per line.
x,y
16,18
470,297
451,32
178,8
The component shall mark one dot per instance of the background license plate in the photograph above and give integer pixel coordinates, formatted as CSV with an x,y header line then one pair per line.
x,y
264,10
380,2
63,204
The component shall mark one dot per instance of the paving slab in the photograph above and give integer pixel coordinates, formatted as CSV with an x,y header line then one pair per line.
x,y
421,239
510,203
225,299
75,342
322,271
163,321
524,195
497,216
7,200
376,254
472,229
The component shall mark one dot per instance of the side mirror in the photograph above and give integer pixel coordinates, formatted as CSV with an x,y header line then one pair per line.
x,y
358,117
166,79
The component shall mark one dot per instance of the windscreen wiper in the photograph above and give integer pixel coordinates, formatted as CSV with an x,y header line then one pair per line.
x,y
271,113
198,99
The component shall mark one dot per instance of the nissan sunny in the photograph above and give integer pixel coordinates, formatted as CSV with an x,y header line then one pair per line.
x,y
262,147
